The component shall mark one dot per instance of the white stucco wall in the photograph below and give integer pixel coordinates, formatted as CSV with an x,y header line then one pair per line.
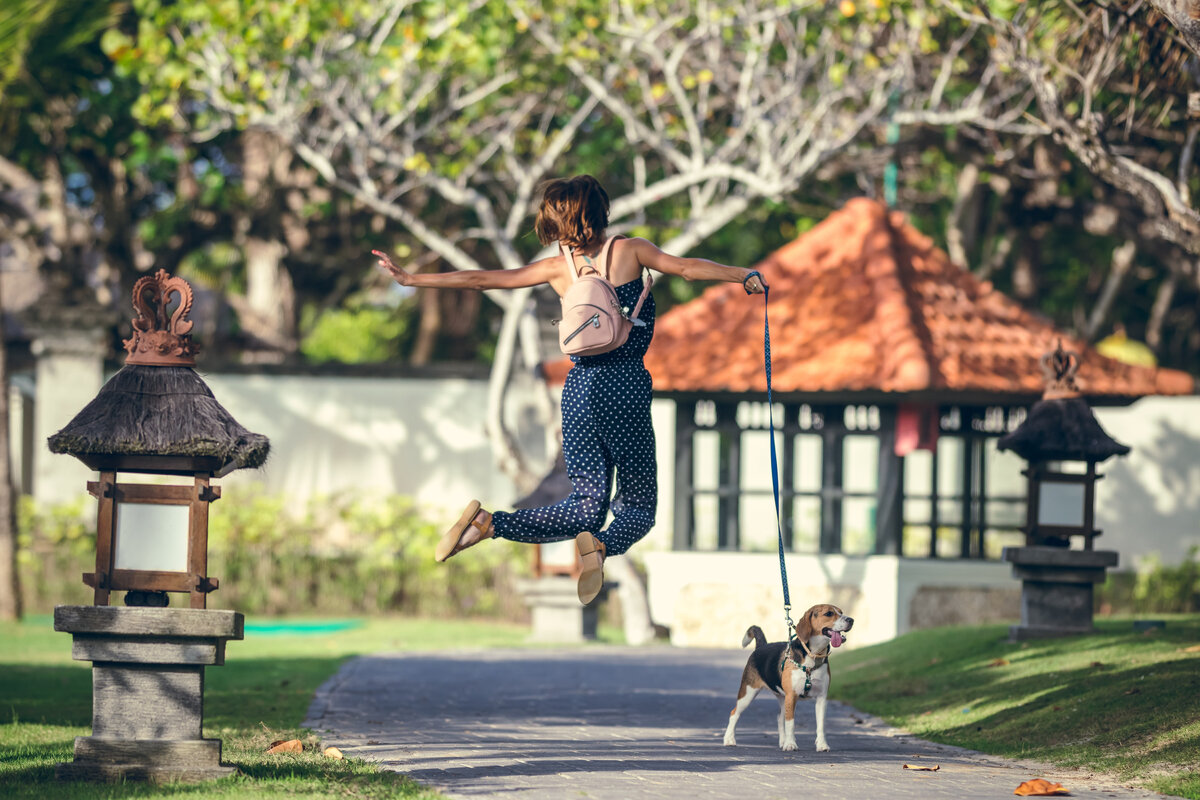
x,y
419,437
1149,501
709,599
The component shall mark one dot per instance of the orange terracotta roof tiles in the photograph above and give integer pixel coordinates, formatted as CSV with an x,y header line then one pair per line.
x,y
865,303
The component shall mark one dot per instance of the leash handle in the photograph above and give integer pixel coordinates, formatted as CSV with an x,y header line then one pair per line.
x,y
787,600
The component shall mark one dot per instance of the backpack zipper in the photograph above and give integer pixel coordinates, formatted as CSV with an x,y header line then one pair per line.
x,y
594,322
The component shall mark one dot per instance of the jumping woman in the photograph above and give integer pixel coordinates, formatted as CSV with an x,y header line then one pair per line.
x,y
606,423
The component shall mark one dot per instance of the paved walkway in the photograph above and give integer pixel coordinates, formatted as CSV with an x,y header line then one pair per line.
x,y
631,724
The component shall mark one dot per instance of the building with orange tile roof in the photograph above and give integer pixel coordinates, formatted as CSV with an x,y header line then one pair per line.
x,y
880,345
865,307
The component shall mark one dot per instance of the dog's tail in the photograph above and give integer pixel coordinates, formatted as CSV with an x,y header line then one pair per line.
x,y
754,634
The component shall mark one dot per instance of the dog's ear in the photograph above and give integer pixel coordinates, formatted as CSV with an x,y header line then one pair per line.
x,y
804,628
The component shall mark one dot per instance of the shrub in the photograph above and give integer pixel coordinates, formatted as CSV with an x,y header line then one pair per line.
x,y
1153,588
339,555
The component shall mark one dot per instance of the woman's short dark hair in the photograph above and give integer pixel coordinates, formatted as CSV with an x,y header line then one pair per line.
x,y
574,211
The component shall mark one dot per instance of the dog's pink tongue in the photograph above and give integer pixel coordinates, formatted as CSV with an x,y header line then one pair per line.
x,y
835,638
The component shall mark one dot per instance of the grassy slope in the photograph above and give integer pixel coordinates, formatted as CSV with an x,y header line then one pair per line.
x,y
1123,702
261,694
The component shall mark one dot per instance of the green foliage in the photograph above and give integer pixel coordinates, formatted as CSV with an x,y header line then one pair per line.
x,y
339,555
54,546
361,335
1153,588
19,22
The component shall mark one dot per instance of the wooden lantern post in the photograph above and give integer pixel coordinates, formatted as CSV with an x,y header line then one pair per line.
x,y
154,417
1057,581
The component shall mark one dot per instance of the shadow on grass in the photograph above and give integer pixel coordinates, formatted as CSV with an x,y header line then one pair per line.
x,y
1116,698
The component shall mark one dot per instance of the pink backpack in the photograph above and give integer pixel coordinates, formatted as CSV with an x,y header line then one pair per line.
x,y
593,321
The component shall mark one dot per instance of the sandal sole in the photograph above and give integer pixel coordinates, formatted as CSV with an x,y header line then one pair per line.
x,y
450,539
591,579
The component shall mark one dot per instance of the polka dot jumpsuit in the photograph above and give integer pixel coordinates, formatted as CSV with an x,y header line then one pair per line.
x,y
606,430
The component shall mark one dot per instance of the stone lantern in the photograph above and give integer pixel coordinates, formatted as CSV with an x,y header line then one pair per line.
x,y
1063,443
155,417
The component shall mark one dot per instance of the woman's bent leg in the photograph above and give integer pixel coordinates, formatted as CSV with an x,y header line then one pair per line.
x,y
588,466
628,435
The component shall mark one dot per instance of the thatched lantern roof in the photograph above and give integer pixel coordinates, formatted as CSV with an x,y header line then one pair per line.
x,y
1061,426
157,414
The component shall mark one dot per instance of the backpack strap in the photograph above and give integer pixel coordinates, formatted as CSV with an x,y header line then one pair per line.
x,y
647,282
566,253
604,257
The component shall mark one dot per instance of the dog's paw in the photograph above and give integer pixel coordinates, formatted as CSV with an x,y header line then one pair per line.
x,y
730,740
789,745
822,747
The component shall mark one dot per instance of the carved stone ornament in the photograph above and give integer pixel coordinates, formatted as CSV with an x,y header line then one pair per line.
x,y
159,340
1059,367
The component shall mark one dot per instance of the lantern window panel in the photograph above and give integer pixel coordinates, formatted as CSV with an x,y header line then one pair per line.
x,y
1061,504
152,537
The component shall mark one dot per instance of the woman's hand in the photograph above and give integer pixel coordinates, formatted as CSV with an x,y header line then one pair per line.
x,y
402,277
754,283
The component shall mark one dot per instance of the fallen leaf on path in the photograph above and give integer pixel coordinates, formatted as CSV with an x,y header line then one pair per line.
x,y
372,741
1038,787
934,768
998,662
1193,649
286,746
332,752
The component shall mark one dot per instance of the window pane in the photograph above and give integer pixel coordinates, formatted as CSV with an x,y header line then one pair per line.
x,y
1004,478
917,511
756,459
757,524
860,465
704,526
949,543
950,456
950,512
806,524
994,541
916,541
1002,514
918,473
806,452
706,458
858,525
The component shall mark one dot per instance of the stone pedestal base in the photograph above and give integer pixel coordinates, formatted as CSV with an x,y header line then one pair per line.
x,y
558,615
147,691
1057,587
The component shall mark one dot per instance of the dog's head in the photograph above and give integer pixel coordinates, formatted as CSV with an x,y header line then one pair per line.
x,y
823,620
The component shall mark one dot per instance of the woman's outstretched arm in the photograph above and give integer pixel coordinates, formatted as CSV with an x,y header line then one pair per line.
x,y
530,275
693,269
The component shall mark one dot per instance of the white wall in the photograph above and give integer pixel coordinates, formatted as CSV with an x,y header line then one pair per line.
x,y
709,599
426,438
1149,501
420,437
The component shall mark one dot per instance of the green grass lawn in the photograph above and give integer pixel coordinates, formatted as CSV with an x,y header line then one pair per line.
x,y
1119,701
261,694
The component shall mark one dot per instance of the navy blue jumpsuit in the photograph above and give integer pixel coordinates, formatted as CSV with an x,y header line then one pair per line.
x,y
606,430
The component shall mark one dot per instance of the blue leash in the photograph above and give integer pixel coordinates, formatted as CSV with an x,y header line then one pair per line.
x,y
787,600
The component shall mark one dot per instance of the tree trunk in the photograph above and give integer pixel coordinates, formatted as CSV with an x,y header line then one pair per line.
x,y
428,327
10,584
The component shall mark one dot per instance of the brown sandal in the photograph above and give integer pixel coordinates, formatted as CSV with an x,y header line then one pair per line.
x,y
591,556
472,527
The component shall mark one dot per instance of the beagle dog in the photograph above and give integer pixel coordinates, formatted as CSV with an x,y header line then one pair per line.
x,y
791,670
